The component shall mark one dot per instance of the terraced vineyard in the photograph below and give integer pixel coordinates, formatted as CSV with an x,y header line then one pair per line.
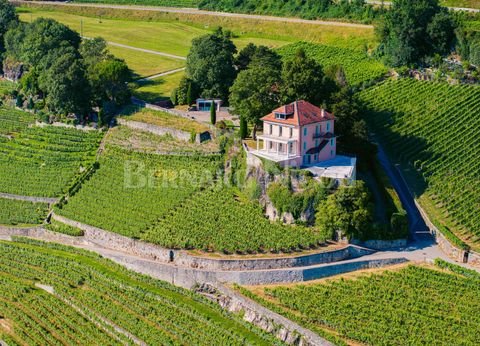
x,y
223,220
13,212
13,120
433,129
131,190
358,66
42,161
87,300
409,306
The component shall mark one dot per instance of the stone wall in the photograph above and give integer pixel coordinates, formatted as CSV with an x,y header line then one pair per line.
x,y
162,131
29,198
282,328
459,255
135,247
382,244
40,234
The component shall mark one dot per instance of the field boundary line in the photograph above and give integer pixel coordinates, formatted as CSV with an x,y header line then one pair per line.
x,y
33,199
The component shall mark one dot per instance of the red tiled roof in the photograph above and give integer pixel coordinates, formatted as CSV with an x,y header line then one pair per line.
x,y
299,113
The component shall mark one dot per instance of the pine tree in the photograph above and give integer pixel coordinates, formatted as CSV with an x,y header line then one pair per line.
x,y
213,113
243,128
189,94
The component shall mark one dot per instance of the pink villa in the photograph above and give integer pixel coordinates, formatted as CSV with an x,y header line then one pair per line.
x,y
302,135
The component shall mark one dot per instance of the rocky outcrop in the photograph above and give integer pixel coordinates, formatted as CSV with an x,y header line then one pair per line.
x,y
282,328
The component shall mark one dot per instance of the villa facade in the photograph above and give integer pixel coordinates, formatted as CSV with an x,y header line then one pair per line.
x,y
298,134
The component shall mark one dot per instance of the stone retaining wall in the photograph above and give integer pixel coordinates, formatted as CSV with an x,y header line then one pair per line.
x,y
131,246
29,198
41,234
287,331
459,255
381,245
162,131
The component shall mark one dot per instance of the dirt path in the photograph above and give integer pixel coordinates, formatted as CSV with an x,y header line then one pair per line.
x,y
146,50
158,75
202,12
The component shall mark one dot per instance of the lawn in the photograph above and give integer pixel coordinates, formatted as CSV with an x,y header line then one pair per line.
x,y
461,3
409,305
172,37
157,89
172,32
146,64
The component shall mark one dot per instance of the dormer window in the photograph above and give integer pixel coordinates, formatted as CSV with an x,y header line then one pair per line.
x,y
280,116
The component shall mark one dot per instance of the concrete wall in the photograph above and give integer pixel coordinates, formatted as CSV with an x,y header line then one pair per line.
x,y
474,259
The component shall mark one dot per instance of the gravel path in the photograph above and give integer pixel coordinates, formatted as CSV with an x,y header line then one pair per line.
x,y
161,74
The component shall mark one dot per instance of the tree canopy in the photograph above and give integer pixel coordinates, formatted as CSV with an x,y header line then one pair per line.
x,y
413,30
348,210
210,64
256,90
303,79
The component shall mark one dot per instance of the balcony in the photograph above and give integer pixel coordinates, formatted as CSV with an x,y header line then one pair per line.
x,y
323,135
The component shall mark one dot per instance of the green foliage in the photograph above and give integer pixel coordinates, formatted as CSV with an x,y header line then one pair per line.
x,y
59,227
406,118
43,161
187,92
468,273
252,189
310,9
14,212
221,219
243,128
348,210
413,30
255,91
131,190
89,290
399,223
358,66
8,18
13,120
213,113
409,307
303,79
210,64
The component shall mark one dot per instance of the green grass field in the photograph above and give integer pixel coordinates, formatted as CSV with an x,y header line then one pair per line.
x,y
146,64
157,89
172,32
412,305
432,129
84,296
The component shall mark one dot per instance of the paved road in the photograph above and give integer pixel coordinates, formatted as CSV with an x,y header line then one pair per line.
x,y
202,12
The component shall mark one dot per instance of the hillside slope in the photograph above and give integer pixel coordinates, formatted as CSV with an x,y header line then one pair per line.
x,y
432,129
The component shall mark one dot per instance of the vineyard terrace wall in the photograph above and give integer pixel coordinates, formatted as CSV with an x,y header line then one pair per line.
x,y
162,131
459,255
188,277
154,252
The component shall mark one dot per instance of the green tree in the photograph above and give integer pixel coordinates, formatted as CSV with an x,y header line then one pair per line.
x,y
349,210
8,17
303,79
252,52
190,94
243,128
109,81
66,86
255,92
413,30
210,64
213,113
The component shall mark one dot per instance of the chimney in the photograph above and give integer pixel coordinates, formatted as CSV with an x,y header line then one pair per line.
x,y
323,113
